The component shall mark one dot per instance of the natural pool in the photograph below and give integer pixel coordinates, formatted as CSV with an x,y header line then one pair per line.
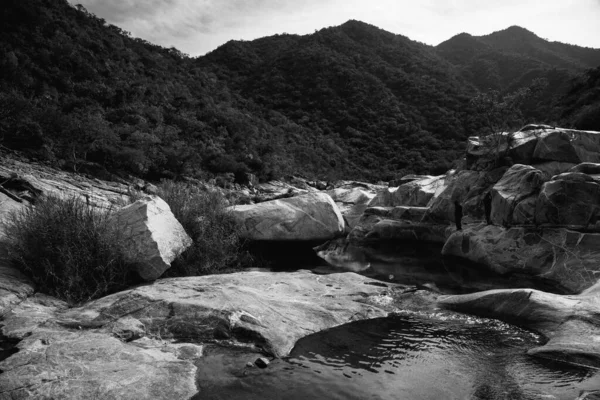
x,y
437,356
433,355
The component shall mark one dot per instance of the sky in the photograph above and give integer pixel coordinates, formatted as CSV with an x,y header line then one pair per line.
x,y
200,26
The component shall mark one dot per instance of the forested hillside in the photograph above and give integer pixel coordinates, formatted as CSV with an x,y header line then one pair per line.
x,y
351,101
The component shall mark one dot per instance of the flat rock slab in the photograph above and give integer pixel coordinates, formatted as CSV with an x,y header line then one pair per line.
x,y
270,310
122,346
569,322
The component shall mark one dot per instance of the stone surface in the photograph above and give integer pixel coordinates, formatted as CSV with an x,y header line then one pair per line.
x,y
352,203
312,216
555,144
517,184
29,179
551,168
61,364
270,310
468,188
151,235
569,203
569,259
568,146
416,193
143,343
569,322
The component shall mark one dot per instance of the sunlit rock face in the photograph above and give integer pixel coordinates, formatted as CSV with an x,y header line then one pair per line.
x,y
151,236
415,193
312,216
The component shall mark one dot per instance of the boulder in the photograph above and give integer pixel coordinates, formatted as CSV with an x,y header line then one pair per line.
x,y
151,236
312,216
468,188
517,184
543,144
567,259
569,322
78,364
573,202
568,145
586,168
551,168
417,193
352,203
270,310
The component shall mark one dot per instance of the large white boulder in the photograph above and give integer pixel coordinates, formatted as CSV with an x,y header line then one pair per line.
x,y
351,202
416,193
151,236
313,216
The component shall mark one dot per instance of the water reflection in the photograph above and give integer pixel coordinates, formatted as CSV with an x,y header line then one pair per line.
x,y
418,263
411,358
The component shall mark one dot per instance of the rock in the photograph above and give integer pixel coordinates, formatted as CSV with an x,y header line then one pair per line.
x,y
551,168
414,193
573,177
152,236
407,179
270,310
516,185
273,190
556,144
312,216
262,362
128,329
568,259
569,322
352,203
587,168
83,365
30,180
568,146
569,203
466,187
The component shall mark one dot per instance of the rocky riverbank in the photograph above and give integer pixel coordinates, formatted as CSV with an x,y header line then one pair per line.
x,y
540,221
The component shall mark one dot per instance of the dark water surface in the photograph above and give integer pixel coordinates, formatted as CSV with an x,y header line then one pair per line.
x,y
441,355
406,357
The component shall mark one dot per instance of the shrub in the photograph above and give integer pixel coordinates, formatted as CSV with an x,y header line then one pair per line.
x,y
217,245
68,248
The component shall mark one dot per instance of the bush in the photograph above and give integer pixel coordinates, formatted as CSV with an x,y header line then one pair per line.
x,y
217,245
68,248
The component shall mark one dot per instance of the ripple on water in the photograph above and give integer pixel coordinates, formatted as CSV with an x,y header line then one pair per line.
x,y
410,357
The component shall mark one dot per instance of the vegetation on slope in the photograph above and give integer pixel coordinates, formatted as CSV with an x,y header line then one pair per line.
x,y
346,102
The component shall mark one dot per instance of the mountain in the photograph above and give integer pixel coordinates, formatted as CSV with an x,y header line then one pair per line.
x,y
503,59
379,98
351,101
514,58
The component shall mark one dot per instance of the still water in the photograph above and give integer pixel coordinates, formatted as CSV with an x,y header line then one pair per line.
x,y
437,356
